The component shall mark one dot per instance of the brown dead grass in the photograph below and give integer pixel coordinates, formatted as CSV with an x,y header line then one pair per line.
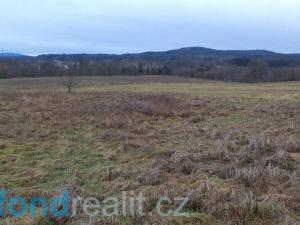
x,y
238,161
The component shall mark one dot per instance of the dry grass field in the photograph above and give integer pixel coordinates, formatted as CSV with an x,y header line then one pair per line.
x,y
233,149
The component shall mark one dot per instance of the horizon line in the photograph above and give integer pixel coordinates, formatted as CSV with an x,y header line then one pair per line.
x,y
149,51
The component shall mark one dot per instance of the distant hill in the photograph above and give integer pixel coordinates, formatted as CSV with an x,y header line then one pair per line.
x,y
11,55
206,63
187,55
178,53
207,52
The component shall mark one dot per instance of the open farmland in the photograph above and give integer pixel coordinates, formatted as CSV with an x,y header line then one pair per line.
x,y
233,149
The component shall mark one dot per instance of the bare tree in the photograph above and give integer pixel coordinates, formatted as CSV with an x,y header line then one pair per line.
x,y
258,70
70,79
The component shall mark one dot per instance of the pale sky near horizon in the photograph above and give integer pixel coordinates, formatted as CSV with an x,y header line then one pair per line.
x,y
120,26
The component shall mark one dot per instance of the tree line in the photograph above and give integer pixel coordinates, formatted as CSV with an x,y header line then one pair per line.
x,y
215,67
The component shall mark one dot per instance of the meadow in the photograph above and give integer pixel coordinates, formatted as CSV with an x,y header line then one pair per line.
x,y
232,148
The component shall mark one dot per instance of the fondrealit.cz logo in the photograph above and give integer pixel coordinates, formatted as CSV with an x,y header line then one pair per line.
x,y
63,206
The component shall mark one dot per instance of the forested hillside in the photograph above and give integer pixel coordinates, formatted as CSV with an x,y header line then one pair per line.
x,y
240,66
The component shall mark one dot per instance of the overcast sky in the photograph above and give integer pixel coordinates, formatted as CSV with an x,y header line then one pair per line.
x,y
119,26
